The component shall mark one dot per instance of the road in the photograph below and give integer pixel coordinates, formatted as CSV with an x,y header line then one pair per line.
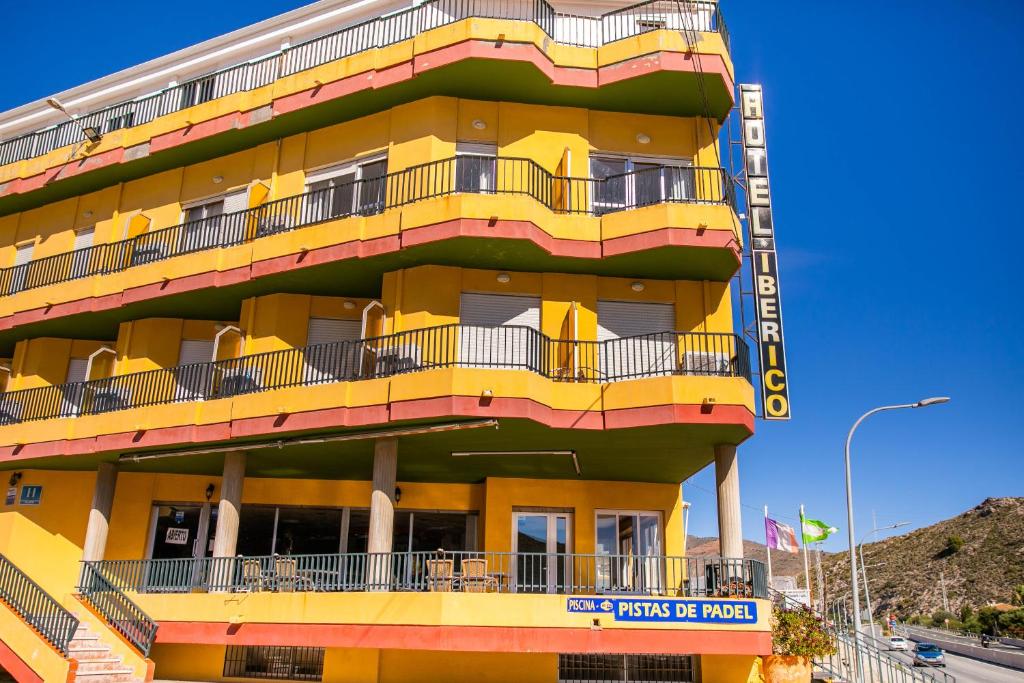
x,y
968,670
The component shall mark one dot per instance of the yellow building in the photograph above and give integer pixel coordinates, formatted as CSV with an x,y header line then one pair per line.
x,y
371,343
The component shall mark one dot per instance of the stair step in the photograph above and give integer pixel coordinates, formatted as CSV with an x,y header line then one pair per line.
x,y
100,664
90,652
121,675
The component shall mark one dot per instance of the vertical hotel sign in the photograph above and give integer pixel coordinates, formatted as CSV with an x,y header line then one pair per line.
x,y
771,344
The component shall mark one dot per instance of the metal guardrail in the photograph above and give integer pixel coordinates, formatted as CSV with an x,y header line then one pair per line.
x,y
454,345
116,608
569,29
457,175
36,607
446,571
862,659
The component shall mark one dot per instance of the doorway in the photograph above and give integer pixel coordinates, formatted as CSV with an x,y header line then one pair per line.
x,y
541,542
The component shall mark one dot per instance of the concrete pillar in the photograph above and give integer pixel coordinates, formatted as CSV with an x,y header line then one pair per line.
x,y
730,526
382,513
226,539
99,513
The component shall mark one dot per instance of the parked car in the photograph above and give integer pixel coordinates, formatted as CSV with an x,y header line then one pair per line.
x,y
928,654
898,643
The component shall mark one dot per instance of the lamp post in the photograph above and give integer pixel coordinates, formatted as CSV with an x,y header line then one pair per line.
x,y
924,403
92,133
864,571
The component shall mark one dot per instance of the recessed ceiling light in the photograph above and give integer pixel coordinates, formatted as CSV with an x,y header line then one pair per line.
x,y
479,124
218,179
638,286
87,214
503,278
349,305
643,138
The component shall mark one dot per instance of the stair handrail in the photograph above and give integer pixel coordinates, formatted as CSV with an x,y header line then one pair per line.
x,y
117,609
36,607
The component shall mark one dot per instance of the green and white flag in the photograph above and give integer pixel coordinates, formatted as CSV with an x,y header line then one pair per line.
x,y
814,530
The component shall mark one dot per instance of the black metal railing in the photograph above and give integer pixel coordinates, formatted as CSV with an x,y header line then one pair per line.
x,y
446,571
569,29
36,607
445,346
116,608
458,175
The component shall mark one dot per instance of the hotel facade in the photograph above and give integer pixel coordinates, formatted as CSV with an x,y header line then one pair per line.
x,y
372,343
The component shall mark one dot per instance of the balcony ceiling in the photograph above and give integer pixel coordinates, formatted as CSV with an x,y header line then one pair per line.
x,y
666,454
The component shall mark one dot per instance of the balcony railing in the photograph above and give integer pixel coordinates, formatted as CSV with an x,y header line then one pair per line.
x,y
458,175
569,29
445,571
445,346
36,607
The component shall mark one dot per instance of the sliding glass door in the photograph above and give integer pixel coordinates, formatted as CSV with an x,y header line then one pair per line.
x,y
629,552
541,543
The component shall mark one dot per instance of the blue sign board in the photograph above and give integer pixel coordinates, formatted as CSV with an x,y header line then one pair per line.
x,y
680,611
31,495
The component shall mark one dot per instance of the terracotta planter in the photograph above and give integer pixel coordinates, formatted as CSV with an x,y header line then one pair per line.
x,y
787,669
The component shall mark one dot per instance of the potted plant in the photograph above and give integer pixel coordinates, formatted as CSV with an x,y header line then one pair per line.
x,y
797,636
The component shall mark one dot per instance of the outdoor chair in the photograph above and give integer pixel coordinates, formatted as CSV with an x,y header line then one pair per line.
x,y
252,575
287,577
440,575
475,578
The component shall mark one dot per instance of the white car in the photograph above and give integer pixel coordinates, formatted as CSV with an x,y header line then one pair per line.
x,y
899,643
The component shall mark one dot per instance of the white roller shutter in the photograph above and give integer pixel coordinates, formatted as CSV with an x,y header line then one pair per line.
x,y
72,389
80,259
21,258
233,227
193,380
500,331
336,361
637,339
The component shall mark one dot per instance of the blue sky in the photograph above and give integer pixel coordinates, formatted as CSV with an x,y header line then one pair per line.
x,y
891,141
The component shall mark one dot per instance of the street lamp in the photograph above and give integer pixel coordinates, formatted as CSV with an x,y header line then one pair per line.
x,y
923,403
90,132
864,571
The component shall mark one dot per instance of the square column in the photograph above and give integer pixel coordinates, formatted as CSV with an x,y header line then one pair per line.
x,y
382,514
99,513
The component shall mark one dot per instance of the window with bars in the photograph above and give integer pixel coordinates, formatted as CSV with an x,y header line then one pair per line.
x,y
274,662
602,668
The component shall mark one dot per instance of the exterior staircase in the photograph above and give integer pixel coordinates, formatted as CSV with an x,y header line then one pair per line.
x,y
94,659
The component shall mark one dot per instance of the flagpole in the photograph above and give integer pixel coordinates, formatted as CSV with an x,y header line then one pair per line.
x,y
803,542
767,546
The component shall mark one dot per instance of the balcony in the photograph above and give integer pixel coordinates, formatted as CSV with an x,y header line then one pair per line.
x,y
564,29
613,205
444,572
449,346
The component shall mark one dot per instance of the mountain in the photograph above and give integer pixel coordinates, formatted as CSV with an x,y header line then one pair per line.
x,y
783,564
978,556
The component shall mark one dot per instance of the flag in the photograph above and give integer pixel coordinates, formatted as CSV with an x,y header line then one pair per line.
x,y
815,530
779,536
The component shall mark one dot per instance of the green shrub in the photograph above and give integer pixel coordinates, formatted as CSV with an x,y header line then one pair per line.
x,y
941,616
800,633
953,544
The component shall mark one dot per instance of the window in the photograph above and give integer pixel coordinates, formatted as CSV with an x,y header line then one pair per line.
x,y
269,530
630,543
123,120
430,531
19,273
327,358
354,189
590,668
637,339
499,331
82,251
197,91
475,167
274,662
213,222
628,182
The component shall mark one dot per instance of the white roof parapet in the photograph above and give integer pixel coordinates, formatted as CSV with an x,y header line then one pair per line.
x,y
238,46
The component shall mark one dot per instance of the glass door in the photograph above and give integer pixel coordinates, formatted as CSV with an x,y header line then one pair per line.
x,y
630,543
541,543
180,532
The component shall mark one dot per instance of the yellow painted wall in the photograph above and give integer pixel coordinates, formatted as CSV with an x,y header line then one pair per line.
x,y
281,321
410,134
44,361
45,661
427,296
730,669
402,666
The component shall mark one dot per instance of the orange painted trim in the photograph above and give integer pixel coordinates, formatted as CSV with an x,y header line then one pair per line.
x,y
428,234
383,414
471,638
16,666
374,79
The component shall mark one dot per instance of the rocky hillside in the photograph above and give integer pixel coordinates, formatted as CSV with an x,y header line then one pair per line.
x,y
978,554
